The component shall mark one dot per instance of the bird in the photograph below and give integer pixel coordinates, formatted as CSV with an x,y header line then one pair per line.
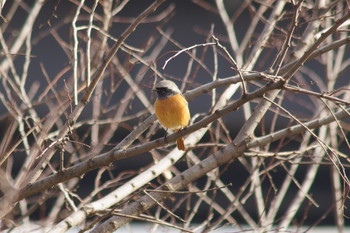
x,y
171,108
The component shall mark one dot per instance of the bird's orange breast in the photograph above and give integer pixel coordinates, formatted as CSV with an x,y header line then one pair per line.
x,y
173,112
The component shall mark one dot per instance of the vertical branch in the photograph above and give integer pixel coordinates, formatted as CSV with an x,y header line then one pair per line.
x,y
229,28
258,193
75,50
252,27
338,198
216,69
244,91
96,101
309,35
287,42
333,70
88,43
264,35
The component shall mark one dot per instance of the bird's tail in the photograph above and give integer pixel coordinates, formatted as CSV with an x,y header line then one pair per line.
x,y
180,144
180,141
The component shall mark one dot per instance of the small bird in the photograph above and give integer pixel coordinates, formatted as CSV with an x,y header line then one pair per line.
x,y
171,108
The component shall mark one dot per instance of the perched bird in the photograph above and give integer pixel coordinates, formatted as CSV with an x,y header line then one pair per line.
x,y
171,108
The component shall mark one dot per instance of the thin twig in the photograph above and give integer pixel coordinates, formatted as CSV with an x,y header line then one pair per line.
x,y
186,50
234,63
164,208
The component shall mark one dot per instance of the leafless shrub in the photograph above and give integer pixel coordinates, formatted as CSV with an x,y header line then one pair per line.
x,y
280,81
